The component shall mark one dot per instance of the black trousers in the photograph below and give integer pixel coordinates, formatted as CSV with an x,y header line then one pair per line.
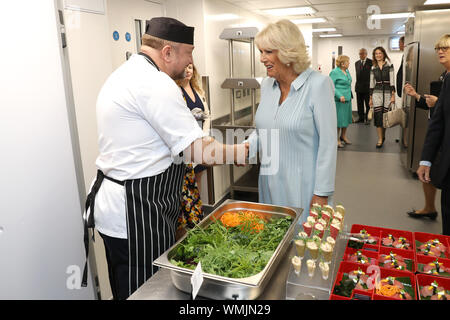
x,y
363,98
445,207
118,266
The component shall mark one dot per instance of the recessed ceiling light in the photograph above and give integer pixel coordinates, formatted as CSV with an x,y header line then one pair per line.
x,y
330,35
428,2
391,15
401,32
312,20
290,11
324,30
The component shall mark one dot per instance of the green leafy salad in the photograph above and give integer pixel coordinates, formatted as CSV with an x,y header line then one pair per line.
x,y
234,252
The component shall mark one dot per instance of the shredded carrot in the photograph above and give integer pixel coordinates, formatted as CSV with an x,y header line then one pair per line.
x,y
388,290
233,219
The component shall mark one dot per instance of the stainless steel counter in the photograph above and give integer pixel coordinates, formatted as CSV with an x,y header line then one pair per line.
x,y
160,287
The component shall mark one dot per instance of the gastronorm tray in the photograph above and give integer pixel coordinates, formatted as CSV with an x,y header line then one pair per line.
x,y
219,287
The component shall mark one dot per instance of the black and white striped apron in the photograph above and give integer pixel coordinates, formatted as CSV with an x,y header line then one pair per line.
x,y
152,210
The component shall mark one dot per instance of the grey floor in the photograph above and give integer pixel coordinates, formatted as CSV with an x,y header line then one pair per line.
x,y
374,186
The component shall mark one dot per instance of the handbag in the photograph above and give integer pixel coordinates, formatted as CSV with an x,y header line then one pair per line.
x,y
370,114
394,117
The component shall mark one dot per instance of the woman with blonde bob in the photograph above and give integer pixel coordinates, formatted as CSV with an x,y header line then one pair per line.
x,y
295,123
343,97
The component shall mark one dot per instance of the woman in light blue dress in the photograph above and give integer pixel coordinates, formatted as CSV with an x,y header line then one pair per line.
x,y
295,123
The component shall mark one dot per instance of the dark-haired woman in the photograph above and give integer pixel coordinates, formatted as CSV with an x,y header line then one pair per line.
x,y
382,90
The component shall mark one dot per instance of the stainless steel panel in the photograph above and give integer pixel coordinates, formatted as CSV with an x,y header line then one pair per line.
x,y
242,34
218,287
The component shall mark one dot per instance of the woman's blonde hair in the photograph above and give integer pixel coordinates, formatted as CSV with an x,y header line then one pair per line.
x,y
195,82
287,38
342,59
443,41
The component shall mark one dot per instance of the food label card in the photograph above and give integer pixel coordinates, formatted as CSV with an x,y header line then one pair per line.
x,y
197,280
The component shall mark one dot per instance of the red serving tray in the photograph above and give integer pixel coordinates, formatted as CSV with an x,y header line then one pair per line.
x,y
406,254
346,267
425,280
424,237
420,259
373,231
398,233
369,254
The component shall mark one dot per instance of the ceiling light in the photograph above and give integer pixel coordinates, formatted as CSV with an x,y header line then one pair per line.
x,y
290,11
401,32
223,17
330,35
436,2
312,20
324,30
391,16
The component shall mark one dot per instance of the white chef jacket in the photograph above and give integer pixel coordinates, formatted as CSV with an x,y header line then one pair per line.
x,y
143,123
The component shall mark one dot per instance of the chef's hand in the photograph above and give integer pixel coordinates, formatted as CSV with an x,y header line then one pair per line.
x,y
319,200
342,99
424,174
431,100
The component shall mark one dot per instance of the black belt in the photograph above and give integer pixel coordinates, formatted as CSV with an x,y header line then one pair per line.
x,y
89,221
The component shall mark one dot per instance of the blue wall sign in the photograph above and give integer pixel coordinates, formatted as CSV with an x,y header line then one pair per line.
x,y
116,35
128,36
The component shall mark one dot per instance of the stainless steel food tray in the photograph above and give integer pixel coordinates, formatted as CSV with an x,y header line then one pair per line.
x,y
218,287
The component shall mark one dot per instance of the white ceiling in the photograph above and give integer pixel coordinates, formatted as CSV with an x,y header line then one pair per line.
x,y
349,17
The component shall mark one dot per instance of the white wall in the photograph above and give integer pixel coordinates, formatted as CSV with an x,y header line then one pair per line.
x,y
350,47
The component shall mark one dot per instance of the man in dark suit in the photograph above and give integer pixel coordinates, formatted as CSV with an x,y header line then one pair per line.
x,y
434,168
401,44
362,85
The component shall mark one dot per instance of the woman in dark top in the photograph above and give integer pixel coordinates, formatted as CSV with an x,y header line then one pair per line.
x,y
382,90
426,102
191,204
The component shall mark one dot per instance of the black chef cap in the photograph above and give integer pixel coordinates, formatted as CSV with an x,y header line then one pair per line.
x,y
170,29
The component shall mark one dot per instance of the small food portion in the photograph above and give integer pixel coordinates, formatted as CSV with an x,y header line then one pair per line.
x,y
358,257
327,252
311,264
313,249
325,269
311,220
400,243
363,234
340,209
307,227
393,261
433,248
360,279
300,246
331,241
246,219
391,287
320,229
434,292
334,230
436,268
297,263
303,235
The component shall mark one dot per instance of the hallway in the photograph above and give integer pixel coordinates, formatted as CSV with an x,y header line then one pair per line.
x,y
375,187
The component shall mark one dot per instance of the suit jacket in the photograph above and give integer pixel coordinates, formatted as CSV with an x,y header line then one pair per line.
x,y
363,76
400,80
438,138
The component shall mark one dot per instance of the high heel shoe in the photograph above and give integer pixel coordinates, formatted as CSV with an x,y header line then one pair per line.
x,y
431,215
379,145
345,141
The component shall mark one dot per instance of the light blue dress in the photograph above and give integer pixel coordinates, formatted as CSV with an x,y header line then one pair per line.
x,y
298,158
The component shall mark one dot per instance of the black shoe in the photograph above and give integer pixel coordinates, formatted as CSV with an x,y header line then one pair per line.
x,y
414,214
379,145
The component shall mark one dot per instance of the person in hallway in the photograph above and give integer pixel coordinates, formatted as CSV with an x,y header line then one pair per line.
x,y
146,132
435,161
342,97
426,102
191,203
382,90
362,86
295,123
401,43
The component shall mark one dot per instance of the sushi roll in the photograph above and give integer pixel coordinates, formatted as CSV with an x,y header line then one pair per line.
x,y
297,264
